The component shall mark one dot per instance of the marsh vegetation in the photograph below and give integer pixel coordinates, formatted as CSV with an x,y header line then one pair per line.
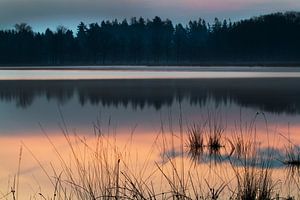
x,y
197,160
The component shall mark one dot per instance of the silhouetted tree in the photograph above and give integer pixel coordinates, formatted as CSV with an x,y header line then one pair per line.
x,y
272,39
198,36
180,43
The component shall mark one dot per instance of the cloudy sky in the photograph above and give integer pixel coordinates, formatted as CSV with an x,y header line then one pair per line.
x,y
51,13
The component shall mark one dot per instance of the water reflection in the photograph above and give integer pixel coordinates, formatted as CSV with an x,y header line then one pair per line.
x,y
151,108
276,95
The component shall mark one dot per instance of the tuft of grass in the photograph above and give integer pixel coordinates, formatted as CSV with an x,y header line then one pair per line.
x,y
214,134
206,139
214,144
254,177
195,142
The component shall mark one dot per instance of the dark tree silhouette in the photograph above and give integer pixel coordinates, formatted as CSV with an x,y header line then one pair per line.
x,y
267,40
180,43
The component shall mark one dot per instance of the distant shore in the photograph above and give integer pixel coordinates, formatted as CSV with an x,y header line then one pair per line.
x,y
216,68
154,65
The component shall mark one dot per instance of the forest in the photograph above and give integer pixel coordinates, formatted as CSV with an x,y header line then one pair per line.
x,y
272,39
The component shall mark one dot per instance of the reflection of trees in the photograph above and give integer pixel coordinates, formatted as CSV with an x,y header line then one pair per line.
x,y
273,95
25,92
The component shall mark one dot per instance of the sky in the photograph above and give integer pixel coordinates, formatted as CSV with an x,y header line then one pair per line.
x,y
41,14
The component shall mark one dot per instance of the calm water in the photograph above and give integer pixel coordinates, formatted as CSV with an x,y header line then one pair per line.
x,y
140,102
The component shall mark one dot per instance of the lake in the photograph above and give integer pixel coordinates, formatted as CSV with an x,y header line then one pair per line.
x,y
148,123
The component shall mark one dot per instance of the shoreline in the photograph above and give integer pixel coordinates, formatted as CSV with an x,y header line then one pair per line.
x,y
162,64
216,68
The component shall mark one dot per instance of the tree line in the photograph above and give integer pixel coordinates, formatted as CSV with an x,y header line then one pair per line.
x,y
272,38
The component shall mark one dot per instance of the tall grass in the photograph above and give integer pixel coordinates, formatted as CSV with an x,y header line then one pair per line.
x,y
253,175
14,188
252,167
97,167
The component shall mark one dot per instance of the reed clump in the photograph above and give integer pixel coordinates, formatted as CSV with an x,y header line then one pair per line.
x,y
195,142
215,132
206,140
292,160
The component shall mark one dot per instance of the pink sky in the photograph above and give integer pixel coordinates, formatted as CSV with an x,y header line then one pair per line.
x,y
51,13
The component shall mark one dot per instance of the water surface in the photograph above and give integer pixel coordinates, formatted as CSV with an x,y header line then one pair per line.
x,y
33,103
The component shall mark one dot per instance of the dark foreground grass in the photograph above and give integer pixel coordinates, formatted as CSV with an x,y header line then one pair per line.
x,y
98,168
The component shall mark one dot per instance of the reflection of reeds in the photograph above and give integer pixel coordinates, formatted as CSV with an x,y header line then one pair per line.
x,y
240,146
243,139
206,139
195,142
292,160
215,131
214,144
